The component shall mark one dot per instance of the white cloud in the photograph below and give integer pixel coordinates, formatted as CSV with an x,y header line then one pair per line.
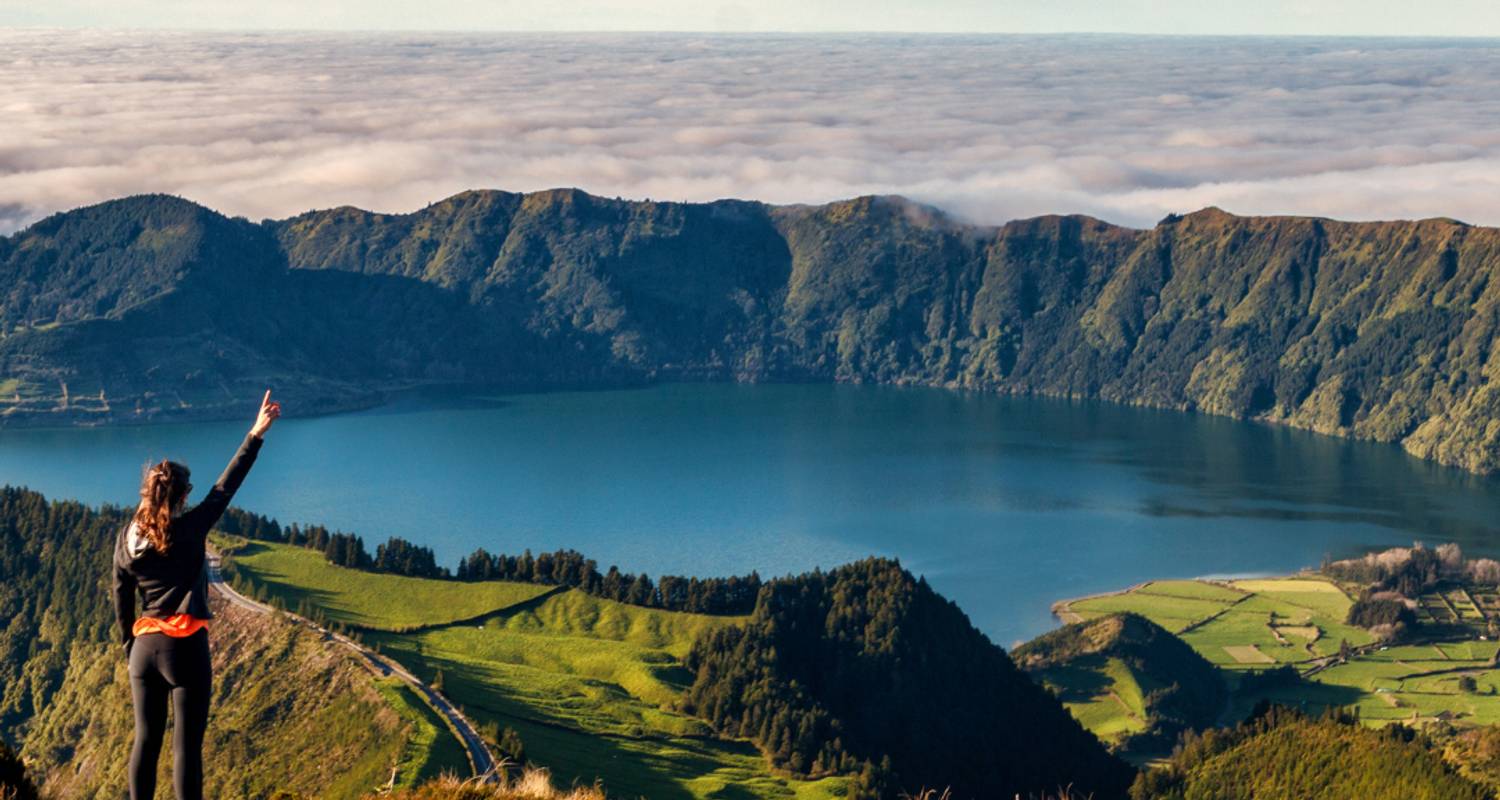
x,y
991,128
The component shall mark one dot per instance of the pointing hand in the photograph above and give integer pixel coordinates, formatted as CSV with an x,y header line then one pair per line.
x,y
269,412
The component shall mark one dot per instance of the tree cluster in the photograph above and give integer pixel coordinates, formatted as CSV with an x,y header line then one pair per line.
x,y
404,558
1369,611
1410,571
396,556
733,595
506,743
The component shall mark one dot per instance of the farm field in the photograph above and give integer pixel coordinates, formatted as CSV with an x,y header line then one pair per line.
x,y
589,684
1242,624
1404,689
1249,625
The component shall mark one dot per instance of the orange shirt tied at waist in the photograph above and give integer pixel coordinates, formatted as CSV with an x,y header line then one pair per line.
x,y
177,626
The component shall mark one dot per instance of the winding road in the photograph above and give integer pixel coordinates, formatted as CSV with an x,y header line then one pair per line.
x,y
481,760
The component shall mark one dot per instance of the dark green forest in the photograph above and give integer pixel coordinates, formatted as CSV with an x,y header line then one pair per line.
x,y
865,669
152,307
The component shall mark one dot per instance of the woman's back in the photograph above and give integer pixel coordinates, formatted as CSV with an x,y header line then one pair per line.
x,y
175,582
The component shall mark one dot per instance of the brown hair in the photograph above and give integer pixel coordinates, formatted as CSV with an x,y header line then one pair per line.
x,y
163,489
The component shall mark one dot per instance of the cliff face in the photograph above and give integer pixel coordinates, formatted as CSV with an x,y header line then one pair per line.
x,y
1375,330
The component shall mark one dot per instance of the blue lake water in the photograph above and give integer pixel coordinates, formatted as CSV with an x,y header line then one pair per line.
x,y
1004,504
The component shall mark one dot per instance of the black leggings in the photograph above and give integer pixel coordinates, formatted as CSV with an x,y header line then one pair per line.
x,y
163,667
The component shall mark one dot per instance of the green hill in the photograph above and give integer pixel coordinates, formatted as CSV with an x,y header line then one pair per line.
x,y
866,668
1284,754
1127,679
152,307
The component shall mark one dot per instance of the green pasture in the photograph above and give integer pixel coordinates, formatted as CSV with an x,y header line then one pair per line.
x,y
1288,620
1195,590
576,659
374,600
591,685
1171,612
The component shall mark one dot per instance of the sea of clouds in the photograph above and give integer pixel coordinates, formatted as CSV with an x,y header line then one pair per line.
x,y
990,128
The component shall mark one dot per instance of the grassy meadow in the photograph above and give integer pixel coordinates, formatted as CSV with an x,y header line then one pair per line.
x,y
372,600
590,685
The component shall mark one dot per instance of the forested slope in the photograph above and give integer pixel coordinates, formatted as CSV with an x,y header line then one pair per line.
x,y
1284,754
864,669
152,307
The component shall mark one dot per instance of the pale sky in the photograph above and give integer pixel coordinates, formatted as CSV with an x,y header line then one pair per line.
x,y
1272,17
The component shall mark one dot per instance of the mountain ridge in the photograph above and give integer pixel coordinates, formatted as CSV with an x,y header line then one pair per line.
x,y
1373,330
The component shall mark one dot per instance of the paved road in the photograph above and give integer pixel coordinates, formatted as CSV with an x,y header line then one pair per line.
x,y
481,760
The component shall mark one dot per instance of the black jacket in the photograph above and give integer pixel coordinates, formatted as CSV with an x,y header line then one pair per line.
x,y
175,582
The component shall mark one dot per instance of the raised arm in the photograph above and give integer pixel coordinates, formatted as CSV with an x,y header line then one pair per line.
x,y
206,514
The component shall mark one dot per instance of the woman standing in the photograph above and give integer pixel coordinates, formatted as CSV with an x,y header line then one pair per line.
x,y
160,554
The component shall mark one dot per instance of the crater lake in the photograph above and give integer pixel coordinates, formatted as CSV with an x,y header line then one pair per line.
x,y
1005,504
